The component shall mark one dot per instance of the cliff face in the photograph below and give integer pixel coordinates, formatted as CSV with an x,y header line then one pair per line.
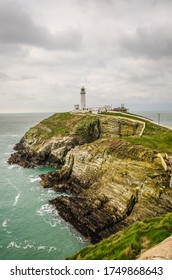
x,y
110,190
48,142
112,180
142,240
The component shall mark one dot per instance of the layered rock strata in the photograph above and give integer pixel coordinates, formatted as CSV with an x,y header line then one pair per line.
x,y
109,191
111,182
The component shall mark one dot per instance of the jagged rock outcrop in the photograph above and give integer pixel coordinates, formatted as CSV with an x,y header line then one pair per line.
x,y
44,146
111,181
109,191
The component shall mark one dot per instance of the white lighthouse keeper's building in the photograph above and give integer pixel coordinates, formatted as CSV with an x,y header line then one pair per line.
x,y
82,99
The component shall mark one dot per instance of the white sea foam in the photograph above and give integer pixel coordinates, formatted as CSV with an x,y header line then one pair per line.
x,y
35,179
27,245
24,245
52,249
52,223
13,244
18,168
42,247
50,191
16,199
14,166
7,153
13,135
50,215
44,210
5,223
11,166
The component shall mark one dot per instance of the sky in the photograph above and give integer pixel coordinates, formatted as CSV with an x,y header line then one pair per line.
x,y
120,50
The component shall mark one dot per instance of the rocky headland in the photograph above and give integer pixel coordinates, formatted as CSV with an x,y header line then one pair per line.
x,y
113,170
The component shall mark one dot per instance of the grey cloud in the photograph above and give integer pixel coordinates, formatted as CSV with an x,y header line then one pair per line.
x,y
18,28
4,77
151,42
120,49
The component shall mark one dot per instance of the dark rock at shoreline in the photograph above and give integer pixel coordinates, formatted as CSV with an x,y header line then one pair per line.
x,y
111,183
93,223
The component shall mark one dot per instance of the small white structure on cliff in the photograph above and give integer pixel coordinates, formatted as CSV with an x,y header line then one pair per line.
x,y
82,107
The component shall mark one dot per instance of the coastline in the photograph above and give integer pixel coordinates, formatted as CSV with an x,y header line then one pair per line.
x,y
89,154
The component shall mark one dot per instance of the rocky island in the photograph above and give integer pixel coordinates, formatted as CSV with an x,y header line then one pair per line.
x,y
113,172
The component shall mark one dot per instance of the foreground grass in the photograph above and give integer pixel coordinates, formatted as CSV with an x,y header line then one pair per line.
x,y
128,243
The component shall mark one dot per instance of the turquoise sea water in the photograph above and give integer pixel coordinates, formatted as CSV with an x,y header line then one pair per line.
x,y
29,227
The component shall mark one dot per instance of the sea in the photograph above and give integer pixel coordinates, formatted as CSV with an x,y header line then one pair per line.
x,y
30,228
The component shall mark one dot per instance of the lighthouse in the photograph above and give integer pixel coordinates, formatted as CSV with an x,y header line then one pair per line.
x,y
82,99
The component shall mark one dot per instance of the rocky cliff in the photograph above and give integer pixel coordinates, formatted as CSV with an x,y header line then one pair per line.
x,y
147,239
114,176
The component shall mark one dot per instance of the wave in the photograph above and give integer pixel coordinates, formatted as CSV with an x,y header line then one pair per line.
x,y
50,191
52,248
10,135
36,179
47,192
11,166
13,135
24,245
42,247
5,223
30,245
16,199
13,244
7,154
50,215
45,209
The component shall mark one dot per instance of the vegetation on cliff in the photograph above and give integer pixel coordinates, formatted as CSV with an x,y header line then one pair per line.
x,y
114,177
154,136
61,125
130,242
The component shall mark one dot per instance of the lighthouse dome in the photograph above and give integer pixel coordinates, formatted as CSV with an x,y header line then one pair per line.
x,y
83,90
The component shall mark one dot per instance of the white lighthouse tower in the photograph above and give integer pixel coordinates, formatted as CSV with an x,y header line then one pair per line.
x,y
82,99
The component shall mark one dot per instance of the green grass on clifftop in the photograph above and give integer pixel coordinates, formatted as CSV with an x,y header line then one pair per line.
x,y
60,125
154,136
66,124
130,242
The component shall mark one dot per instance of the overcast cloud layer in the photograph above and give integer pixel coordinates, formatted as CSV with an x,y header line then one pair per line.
x,y
121,50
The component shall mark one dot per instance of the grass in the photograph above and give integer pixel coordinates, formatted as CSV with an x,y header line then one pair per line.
x,y
154,136
64,124
128,243
61,125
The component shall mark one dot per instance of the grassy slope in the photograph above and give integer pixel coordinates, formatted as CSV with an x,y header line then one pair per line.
x,y
60,125
128,243
63,124
154,136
